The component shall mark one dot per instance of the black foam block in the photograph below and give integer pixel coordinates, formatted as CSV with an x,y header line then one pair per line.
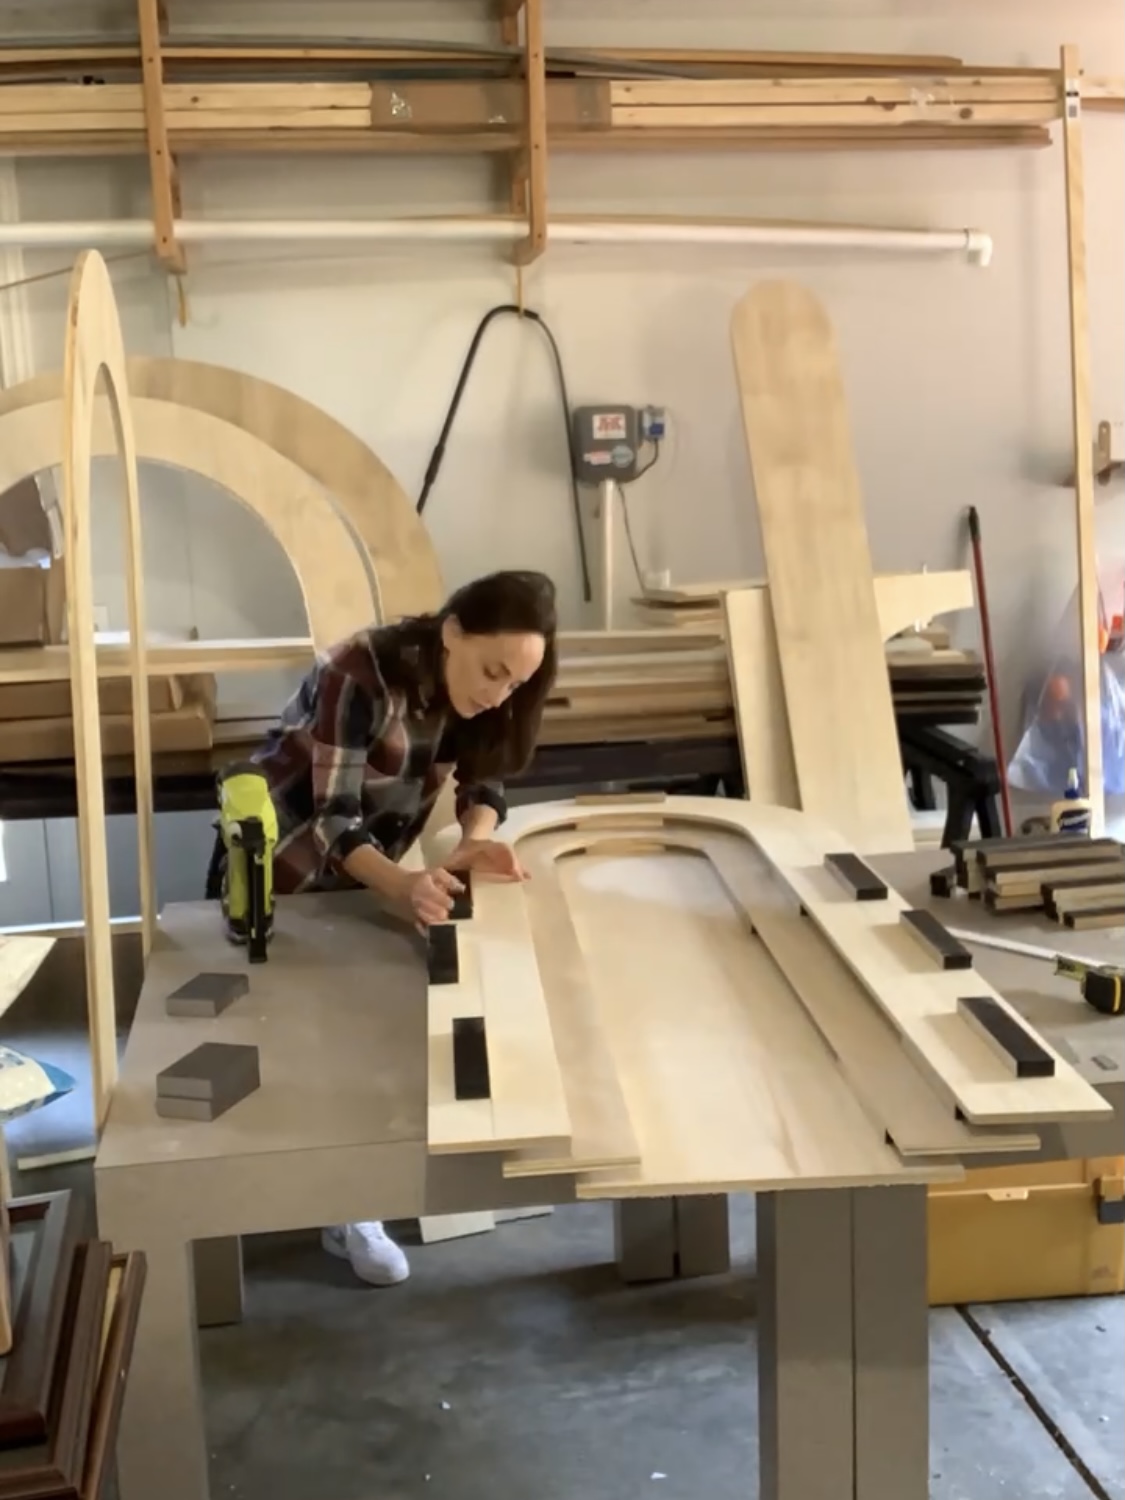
x,y
470,1059
942,945
441,956
1008,1037
859,878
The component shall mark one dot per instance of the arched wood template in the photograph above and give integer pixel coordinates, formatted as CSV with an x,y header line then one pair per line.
x,y
355,543
685,998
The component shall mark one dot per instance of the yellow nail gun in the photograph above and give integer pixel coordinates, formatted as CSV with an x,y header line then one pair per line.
x,y
248,828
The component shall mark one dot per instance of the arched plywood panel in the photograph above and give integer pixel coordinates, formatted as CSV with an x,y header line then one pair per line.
x,y
330,569
355,479
94,348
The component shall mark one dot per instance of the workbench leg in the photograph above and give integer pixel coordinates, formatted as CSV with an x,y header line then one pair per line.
x,y
162,1445
218,1281
806,1371
644,1239
892,1344
703,1235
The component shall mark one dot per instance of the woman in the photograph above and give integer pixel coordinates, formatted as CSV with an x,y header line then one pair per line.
x,y
365,746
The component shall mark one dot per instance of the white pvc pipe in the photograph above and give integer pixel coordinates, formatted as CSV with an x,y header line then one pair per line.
x,y
139,234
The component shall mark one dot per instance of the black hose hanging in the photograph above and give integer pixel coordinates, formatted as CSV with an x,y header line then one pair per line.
x,y
433,468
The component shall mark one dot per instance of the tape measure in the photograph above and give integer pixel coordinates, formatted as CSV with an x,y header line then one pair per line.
x,y
1102,987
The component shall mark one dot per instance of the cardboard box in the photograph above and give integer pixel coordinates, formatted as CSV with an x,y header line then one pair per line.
x,y
24,606
1021,1233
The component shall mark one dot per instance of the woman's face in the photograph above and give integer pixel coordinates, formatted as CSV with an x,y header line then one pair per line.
x,y
483,671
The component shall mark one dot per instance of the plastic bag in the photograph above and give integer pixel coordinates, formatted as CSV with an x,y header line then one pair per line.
x,y
26,1084
1054,734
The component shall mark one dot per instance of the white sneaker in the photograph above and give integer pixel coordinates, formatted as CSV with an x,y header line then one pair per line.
x,y
373,1255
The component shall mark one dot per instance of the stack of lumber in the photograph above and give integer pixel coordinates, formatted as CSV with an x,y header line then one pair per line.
x,y
1079,882
319,94
72,1309
940,686
36,723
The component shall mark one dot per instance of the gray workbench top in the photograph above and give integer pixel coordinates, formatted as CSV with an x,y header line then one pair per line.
x,y
338,1015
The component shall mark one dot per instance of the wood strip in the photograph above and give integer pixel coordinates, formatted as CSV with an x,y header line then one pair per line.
x,y
529,1105
94,345
822,592
764,742
895,1093
872,116
535,84
602,1133
920,92
1083,433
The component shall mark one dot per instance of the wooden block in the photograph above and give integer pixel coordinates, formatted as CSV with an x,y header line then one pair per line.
x,y
942,882
211,1073
644,1237
860,878
1084,921
441,954
1008,1038
470,1058
942,945
207,995
462,909
703,1235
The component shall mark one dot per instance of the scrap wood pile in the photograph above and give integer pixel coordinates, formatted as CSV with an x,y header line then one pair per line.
x,y
1078,882
68,1315
307,94
931,682
36,723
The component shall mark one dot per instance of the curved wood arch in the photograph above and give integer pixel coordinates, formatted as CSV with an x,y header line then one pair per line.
x,y
325,556
94,345
357,482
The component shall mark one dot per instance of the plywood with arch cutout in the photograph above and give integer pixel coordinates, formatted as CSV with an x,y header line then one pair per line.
x,y
354,478
329,564
749,1042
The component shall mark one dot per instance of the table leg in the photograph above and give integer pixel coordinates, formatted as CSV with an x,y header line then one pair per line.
x,y
805,1358
218,1281
892,1344
162,1446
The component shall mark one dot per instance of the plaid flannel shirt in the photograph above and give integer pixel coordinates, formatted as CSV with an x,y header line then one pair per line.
x,y
362,750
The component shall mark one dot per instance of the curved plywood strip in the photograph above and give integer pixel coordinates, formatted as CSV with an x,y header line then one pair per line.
x,y
919,1000
367,494
727,1084
602,1134
329,566
94,348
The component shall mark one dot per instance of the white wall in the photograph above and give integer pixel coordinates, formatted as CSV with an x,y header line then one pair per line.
x,y
958,378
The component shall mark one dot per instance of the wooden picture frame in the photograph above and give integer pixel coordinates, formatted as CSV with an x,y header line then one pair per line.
x,y
55,1467
43,1237
123,1305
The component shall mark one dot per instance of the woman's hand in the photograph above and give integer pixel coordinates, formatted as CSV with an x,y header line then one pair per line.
x,y
490,857
427,895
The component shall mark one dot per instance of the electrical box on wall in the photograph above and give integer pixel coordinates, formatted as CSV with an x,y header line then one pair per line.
x,y
605,440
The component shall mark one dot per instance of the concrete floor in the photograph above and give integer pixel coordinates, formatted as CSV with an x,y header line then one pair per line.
x,y
515,1364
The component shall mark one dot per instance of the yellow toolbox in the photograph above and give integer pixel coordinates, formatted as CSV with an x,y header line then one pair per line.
x,y
1014,1234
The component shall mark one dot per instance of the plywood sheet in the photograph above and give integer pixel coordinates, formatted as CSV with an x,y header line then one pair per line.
x,y
728,1085
917,998
818,563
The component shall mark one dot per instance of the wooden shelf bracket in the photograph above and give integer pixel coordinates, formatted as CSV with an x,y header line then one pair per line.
x,y
532,165
162,168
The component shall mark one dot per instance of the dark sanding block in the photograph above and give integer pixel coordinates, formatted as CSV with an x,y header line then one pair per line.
x,y
212,1071
940,944
470,1059
859,878
207,995
462,909
1007,1036
441,954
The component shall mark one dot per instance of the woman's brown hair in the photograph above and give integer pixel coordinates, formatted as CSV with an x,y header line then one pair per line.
x,y
502,741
